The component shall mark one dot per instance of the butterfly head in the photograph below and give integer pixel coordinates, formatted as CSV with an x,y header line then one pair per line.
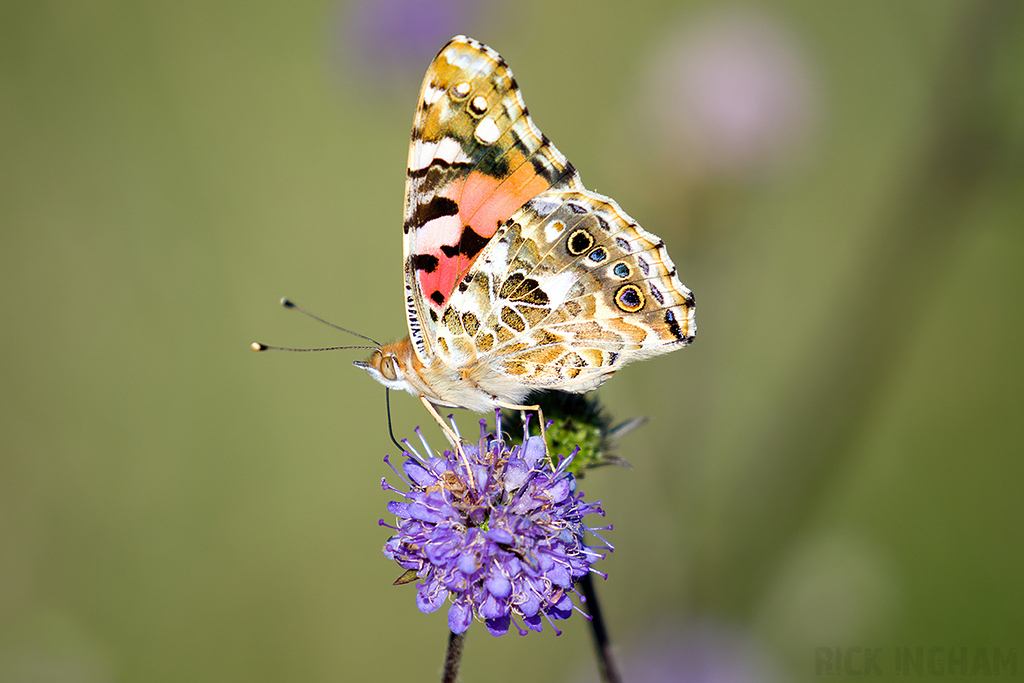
x,y
389,365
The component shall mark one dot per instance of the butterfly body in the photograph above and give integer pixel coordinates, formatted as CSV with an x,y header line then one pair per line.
x,y
517,277
474,387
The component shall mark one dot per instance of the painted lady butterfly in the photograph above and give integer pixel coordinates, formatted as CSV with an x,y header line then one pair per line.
x,y
517,278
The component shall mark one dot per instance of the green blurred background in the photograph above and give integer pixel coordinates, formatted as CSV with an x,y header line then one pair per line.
x,y
834,463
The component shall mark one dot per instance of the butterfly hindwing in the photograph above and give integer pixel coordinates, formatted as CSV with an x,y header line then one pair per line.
x,y
476,157
569,290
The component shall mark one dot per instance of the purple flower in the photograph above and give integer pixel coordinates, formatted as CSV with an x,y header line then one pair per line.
x,y
494,528
729,95
384,39
673,651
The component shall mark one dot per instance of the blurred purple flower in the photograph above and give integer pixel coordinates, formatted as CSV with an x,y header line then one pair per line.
x,y
495,529
698,653
397,38
730,95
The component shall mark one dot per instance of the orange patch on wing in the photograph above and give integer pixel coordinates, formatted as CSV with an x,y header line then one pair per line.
x,y
487,202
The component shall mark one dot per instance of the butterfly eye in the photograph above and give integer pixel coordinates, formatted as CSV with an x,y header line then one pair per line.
x,y
387,368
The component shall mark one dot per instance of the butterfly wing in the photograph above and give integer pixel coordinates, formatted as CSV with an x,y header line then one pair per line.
x,y
569,290
475,158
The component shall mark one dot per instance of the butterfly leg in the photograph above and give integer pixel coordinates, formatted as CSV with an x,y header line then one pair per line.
x,y
540,416
449,434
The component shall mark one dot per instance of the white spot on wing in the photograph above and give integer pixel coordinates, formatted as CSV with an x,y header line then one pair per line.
x,y
421,153
458,58
497,256
553,229
449,149
558,286
544,206
442,230
487,131
431,94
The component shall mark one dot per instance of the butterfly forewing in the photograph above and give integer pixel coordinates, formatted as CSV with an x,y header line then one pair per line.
x,y
475,158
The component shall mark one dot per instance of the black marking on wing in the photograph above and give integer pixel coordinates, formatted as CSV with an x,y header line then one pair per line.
x,y
551,173
528,291
511,284
540,162
569,172
426,262
492,161
438,166
658,296
673,326
469,244
437,207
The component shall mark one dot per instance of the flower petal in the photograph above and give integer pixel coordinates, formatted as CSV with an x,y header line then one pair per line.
x,y
419,474
467,562
493,607
498,626
533,450
460,616
499,535
429,597
498,584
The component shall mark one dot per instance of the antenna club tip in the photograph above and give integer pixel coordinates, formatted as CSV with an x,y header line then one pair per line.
x,y
256,346
286,302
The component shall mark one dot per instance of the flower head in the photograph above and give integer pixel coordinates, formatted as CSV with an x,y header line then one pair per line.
x,y
670,650
730,95
495,528
388,41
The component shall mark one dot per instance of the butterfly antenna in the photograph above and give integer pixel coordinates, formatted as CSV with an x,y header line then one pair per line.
x,y
257,346
387,402
288,303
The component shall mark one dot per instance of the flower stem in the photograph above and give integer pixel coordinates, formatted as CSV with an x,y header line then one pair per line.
x,y
605,661
453,657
